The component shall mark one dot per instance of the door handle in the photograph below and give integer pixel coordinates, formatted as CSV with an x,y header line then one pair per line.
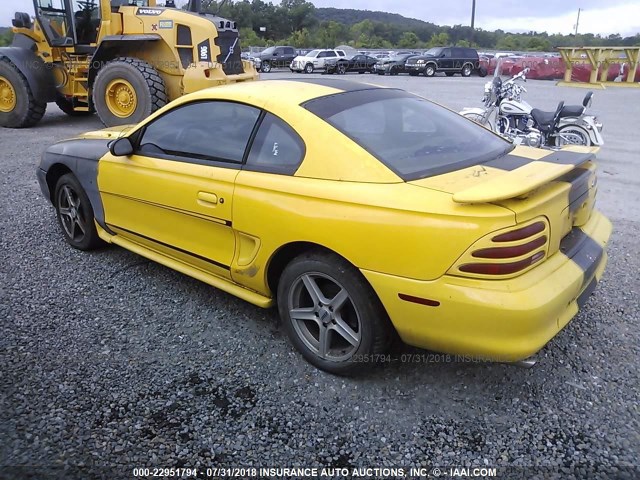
x,y
208,198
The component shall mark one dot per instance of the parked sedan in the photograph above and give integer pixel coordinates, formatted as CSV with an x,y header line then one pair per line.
x,y
356,210
393,65
357,63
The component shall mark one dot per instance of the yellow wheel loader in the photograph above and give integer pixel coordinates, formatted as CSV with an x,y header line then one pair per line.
x,y
123,59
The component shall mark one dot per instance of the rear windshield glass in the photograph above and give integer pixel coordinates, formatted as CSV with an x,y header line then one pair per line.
x,y
412,136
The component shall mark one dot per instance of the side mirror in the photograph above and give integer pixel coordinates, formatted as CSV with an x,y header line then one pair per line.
x,y
121,147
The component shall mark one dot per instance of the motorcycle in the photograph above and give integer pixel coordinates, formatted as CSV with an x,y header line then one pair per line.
x,y
507,114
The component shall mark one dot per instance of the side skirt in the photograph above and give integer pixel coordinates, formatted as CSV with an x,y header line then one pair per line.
x,y
217,282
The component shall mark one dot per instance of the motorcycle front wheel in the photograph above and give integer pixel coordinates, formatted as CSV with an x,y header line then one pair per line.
x,y
479,119
572,135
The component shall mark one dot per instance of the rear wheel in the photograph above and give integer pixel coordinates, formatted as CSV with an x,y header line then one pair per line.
x,y
308,68
466,70
330,312
128,90
18,107
429,71
572,135
75,214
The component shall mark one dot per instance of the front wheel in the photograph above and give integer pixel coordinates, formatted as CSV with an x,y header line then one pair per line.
x,y
265,67
341,69
75,214
572,135
429,71
308,68
331,314
128,90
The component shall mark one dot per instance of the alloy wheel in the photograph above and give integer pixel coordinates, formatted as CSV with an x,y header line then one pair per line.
x,y
324,317
72,214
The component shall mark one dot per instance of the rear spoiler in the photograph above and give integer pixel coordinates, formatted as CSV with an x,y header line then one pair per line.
x,y
535,174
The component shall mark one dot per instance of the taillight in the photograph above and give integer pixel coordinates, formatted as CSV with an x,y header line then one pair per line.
x,y
501,268
507,253
521,233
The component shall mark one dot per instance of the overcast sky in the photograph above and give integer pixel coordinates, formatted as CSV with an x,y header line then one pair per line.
x,y
553,16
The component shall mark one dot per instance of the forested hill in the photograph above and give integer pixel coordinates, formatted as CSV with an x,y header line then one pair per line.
x,y
349,16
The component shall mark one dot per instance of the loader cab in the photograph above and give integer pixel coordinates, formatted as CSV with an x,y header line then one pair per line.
x,y
69,23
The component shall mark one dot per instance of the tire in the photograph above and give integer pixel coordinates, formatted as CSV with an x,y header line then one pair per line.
x,y
75,214
482,72
449,74
18,107
142,88
359,316
67,107
308,68
429,71
576,132
341,69
265,67
466,70
477,118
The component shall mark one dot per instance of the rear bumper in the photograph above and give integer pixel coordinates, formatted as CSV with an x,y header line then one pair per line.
x,y
499,320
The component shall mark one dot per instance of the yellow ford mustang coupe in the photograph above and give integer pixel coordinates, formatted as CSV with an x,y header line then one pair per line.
x,y
357,210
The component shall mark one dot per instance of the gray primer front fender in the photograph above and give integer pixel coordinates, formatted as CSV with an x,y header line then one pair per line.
x,y
81,156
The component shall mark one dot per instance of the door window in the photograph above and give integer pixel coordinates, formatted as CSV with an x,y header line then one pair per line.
x,y
54,19
201,132
277,148
86,17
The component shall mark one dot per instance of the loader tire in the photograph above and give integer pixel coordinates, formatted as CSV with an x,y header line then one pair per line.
x,y
128,90
18,107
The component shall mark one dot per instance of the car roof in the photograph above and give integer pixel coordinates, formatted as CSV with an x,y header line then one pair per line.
x,y
290,91
283,98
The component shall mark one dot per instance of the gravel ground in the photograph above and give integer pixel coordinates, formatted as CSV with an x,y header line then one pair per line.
x,y
108,360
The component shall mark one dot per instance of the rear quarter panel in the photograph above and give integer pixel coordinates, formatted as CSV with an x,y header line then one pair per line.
x,y
397,229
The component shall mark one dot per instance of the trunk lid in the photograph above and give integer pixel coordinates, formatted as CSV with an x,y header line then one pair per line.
x,y
559,185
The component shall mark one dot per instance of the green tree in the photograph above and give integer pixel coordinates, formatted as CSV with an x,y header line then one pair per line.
x,y
438,40
6,38
509,42
408,40
249,38
300,13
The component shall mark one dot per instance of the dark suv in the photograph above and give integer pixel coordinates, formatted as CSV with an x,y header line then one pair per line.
x,y
450,60
276,57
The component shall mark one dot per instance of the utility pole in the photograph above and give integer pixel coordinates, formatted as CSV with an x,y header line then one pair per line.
x,y
577,22
473,18
473,13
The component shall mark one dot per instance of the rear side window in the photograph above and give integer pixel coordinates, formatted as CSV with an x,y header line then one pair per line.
x,y
412,136
276,148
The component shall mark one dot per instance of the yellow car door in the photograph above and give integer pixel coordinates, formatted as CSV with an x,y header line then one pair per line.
x,y
174,195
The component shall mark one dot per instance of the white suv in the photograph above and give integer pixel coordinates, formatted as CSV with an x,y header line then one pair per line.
x,y
315,59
